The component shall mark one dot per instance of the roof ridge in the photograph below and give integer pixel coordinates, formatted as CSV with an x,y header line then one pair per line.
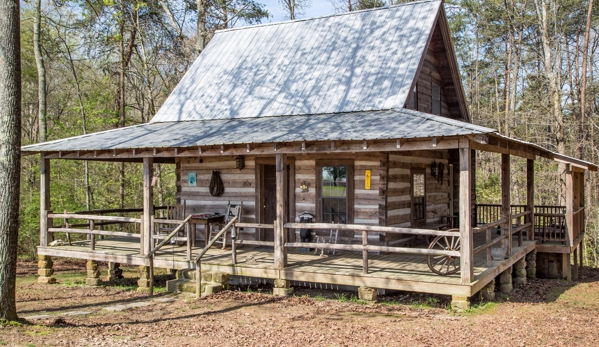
x,y
327,16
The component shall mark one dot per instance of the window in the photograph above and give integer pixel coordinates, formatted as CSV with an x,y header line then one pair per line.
x,y
418,196
436,99
334,191
334,194
412,102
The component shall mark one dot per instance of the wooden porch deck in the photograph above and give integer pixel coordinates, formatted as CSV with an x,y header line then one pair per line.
x,y
390,271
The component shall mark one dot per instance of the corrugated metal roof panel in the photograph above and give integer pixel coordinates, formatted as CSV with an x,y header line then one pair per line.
x,y
372,125
357,61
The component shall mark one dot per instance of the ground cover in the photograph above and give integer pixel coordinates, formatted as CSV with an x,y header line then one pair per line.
x,y
542,313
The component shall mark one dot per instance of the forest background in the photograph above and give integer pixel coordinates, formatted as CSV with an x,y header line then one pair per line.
x,y
529,69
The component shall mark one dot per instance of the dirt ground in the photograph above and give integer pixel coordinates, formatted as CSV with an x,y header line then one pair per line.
x,y
542,313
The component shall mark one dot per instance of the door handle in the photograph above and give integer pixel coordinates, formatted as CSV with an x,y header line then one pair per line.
x,y
264,206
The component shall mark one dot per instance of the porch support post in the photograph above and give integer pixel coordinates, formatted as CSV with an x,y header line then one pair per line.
x,y
505,200
280,235
530,198
44,199
148,206
465,202
569,205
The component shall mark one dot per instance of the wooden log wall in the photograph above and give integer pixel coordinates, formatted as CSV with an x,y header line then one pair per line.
x,y
369,204
429,73
399,203
239,186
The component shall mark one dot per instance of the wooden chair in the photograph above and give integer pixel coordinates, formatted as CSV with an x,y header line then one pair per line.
x,y
232,212
175,212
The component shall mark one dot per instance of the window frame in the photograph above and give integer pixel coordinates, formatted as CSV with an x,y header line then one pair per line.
x,y
349,163
414,221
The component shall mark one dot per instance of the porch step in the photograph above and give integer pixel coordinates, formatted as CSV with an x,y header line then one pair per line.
x,y
212,282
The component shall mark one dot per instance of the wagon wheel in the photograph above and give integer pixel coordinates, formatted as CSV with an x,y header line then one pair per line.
x,y
443,264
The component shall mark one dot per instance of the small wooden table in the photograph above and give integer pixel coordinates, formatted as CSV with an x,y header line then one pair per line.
x,y
205,219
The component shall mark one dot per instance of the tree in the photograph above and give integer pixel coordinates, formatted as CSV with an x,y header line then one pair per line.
x,y
41,71
10,152
294,7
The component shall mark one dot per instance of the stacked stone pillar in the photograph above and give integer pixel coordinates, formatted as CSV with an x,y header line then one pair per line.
x,y
531,264
114,271
93,273
488,291
505,281
520,270
143,284
282,288
368,294
44,269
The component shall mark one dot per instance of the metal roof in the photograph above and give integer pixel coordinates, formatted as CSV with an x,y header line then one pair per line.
x,y
357,61
372,125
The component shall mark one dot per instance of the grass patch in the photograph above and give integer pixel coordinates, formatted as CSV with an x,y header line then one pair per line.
x,y
481,308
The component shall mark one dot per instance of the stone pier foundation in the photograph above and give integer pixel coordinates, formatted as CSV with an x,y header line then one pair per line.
x,y
93,273
282,288
143,283
114,272
520,270
368,294
44,269
460,303
505,281
531,264
488,291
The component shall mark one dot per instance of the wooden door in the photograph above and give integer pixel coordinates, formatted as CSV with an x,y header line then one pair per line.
x,y
268,199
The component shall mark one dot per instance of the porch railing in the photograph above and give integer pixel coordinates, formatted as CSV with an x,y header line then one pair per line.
x,y
549,221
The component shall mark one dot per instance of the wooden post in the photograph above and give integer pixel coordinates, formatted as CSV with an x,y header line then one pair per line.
x,y
465,199
151,260
530,198
575,267
569,205
92,240
365,252
44,199
280,235
148,206
505,199
451,208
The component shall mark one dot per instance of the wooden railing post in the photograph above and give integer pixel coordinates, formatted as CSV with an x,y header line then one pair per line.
x,y
569,206
148,206
365,252
92,239
530,198
505,199
44,199
280,234
465,199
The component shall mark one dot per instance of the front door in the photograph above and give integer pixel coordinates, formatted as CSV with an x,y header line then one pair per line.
x,y
268,199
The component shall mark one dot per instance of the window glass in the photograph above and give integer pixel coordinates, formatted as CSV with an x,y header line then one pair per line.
x,y
418,193
334,194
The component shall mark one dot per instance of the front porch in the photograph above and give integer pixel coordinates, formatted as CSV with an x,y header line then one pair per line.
x,y
407,272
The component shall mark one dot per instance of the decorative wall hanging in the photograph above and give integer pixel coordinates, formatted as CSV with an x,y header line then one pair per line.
x,y
434,169
367,177
440,169
191,178
216,184
305,186
240,162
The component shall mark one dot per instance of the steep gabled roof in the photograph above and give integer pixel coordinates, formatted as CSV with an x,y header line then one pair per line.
x,y
357,61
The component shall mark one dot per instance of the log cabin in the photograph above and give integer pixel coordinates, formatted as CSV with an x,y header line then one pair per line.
x,y
347,143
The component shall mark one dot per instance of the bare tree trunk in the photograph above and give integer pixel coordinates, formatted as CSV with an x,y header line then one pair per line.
x,y
553,78
349,6
83,123
10,153
201,26
583,83
41,71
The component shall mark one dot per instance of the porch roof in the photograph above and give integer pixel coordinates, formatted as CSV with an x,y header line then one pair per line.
x,y
369,125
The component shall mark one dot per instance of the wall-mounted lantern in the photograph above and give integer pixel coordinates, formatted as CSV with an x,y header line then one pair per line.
x,y
240,162
434,169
